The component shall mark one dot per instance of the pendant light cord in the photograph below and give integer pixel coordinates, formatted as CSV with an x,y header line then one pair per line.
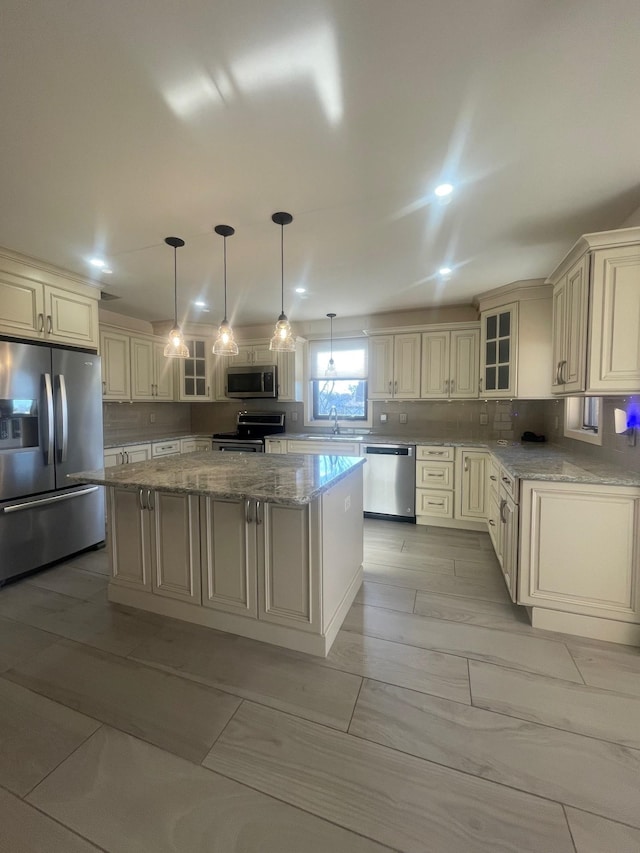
x,y
175,285
225,280
282,269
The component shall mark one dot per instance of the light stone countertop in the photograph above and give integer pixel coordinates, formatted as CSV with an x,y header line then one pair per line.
x,y
173,436
290,480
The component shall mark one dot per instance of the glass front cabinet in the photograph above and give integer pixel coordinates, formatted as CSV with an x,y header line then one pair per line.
x,y
195,371
498,350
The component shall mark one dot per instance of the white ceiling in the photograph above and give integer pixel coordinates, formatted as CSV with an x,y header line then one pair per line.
x,y
123,122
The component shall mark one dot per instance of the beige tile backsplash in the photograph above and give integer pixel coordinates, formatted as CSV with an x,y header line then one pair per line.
x,y
126,421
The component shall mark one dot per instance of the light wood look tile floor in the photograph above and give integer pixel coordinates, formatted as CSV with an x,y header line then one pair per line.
x,y
441,722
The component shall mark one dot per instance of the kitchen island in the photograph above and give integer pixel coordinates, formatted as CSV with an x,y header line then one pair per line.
x,y
268,547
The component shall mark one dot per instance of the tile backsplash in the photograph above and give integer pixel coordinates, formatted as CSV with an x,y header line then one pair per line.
x,y
146,421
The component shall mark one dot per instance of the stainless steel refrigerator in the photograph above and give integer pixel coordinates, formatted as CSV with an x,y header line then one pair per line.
x,y
50,426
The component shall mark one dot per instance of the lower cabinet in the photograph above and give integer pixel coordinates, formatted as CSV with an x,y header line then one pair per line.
x,y
471,485
155,543
451,486
192,445
126,455
580,554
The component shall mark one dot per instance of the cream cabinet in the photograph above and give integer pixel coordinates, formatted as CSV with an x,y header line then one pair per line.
x,y
333,447
516,341
471,485
154,543
193,445
275,445
254,353
596,315
394,367
165,447
450,364
151,373
434,487
33,309
126,455
116,365
580,558
196,372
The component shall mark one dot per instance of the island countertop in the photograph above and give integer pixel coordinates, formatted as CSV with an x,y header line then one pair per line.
x,y
288,480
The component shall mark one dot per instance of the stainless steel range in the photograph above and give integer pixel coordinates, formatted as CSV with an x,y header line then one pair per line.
x,y
252,428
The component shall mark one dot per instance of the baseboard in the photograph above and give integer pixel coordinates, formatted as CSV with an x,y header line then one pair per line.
x,y
593,627
451,523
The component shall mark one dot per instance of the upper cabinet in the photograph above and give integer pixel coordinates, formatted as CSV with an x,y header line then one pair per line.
x,y
515,341
254,353
394,367
42,303
450,363
196,372
151,371
596,315
116,365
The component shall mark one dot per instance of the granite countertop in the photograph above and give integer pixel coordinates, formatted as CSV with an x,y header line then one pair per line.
x,y
377,438
549,462
290,480
174,436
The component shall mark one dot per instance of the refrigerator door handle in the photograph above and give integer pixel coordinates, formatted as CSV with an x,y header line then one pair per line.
x,y
54,500
63,430
48,450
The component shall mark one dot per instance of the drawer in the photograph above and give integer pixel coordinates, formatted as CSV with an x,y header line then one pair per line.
x,y
434,502
431,451
165,448
328,448
509,483
434,475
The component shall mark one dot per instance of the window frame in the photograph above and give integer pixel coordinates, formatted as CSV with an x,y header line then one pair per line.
x,y
576,417
352,424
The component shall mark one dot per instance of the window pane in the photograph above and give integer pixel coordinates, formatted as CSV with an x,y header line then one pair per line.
x,y
503,378
199,353
200,365
350,357
200,387
490,379
505,324
503,351
492,326
188,386
348,396
491,352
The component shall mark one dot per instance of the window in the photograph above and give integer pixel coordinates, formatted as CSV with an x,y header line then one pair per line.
x,y
582,419
347,390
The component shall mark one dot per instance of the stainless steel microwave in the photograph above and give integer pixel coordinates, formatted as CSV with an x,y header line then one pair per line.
x,y
255,380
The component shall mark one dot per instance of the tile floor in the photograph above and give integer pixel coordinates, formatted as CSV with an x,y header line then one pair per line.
x,y
441,722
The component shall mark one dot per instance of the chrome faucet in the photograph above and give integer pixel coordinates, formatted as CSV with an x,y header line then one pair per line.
x,y
333,413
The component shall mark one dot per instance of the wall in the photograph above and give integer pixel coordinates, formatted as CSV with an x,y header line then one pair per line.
x,y
435,419
615,448
132,421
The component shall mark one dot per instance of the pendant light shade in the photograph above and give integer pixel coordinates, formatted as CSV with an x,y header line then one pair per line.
x,y
175,347
283,339
331,371
225,343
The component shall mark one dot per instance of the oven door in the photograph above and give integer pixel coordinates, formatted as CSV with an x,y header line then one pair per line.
x,y
231,446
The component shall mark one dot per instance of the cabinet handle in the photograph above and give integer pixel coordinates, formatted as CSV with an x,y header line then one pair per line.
x,y
41,322
440,476
492,522
493,477
435,503
141,499
506,480
561,370
49,324
208,390
390,387
247,511
395,387
125,458
452,386
104,387
558,373
150,501
503,504
446,386
435,452
480,385
258,512
466,464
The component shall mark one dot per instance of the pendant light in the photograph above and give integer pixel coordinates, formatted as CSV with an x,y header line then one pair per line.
x,y
225,342
331,371
175,347
282,340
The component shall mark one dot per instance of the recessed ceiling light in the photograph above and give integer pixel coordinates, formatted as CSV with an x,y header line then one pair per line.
x,y
301,289
106,270
200,303
445,271
443,190
97,262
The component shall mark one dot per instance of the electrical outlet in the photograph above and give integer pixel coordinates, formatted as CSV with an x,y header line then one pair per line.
x,y
347,503
403,418
294,416
152,418
484,418
383,418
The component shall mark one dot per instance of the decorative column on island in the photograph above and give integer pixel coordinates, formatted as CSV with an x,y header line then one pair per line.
x,y
265,546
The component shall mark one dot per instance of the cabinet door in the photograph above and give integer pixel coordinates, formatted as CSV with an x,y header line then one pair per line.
x,y
163,373
435,380
137,453
175,546
509,544
471,494
113,456
380,367
579,549
142,369
228,547
195,371
494,524
263,355
573,371
275,445
498,347
406,366
21,307
129,539
463,363
286,594
71,318
116,366
290,377
244,356
559,334
615,321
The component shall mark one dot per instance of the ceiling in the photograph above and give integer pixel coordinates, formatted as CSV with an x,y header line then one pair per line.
x,y
124,122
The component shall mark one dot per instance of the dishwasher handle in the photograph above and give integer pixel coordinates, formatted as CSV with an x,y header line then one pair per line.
x,y
388,450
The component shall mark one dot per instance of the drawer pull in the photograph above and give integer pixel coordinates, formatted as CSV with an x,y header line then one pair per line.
x,y
435,452
493,477
436,475
435,503
506,480
492,522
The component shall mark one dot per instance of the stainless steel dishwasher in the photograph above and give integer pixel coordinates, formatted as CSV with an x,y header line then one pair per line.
x,y
390,480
